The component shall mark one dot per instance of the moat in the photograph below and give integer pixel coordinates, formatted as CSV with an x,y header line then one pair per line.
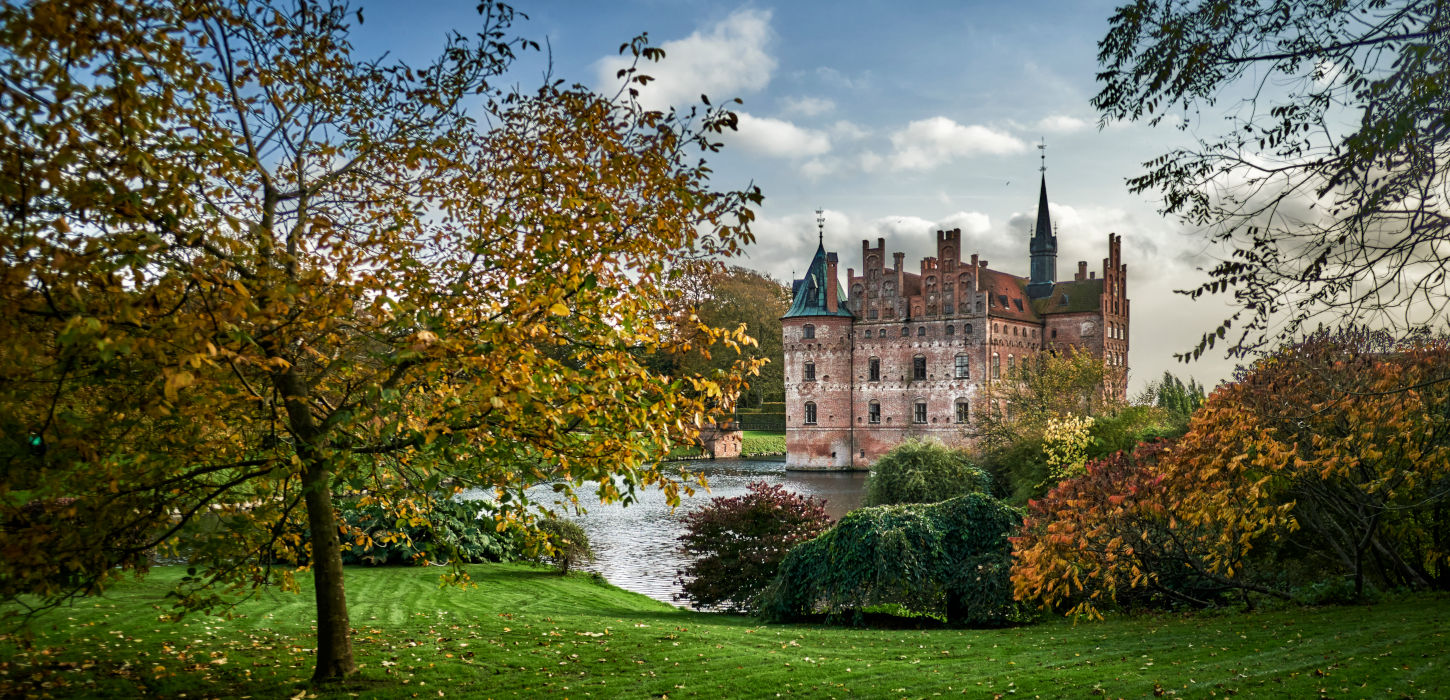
x,y
637,546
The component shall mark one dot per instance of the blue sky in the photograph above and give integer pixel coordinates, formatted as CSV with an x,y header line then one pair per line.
x,y
896,118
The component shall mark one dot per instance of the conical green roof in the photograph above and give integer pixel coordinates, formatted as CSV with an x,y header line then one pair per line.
x,y
809,293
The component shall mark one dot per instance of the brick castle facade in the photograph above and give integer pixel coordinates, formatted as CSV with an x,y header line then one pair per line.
x,y
907,353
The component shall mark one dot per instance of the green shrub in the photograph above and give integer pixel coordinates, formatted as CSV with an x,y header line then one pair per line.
x,y
374,534
949,559
567,543
923,471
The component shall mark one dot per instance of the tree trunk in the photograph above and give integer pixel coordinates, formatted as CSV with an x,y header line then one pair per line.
x,y
334,631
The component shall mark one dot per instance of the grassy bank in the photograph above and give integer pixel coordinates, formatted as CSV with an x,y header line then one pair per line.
x,y
756,442
524,631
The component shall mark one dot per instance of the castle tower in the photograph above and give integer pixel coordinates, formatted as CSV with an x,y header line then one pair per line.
x,y
818,385
1043,247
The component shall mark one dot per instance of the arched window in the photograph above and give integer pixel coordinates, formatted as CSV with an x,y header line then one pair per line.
x,y
919,414
873,411
967,329
918,367
873,370
964,368
964,412
996,366
809,374
951,330
808,331
810,413
905,331
1011,365
868,333
920,331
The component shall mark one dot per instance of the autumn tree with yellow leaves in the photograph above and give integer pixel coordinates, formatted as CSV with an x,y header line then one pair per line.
x,y
245,271
1326,464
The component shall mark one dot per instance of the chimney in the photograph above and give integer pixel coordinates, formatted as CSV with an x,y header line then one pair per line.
x,y
831,301
1081,270
974,259
1093,275
984,263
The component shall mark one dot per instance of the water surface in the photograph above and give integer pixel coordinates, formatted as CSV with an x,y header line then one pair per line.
x,y
637,547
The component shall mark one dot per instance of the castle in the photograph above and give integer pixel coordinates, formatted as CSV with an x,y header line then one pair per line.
x,y
907,354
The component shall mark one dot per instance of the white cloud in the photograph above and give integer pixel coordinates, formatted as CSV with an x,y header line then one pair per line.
x,y
806,106
928,143
724,61
1060,124
778,138
848,131
833,77
816,168
870,161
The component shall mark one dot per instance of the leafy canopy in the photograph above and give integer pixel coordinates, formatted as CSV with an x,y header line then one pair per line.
x,y
246,270
1327,183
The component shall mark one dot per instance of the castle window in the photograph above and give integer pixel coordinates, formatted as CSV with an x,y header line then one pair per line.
x,y
874,369
1054,332
964,412
918,367
873,314
947,308
967,329
1011,365
996,366
868,333
920,331
808,331
951,330
810,413
905,331
1014,330
873,412
964,367
810,372
919,415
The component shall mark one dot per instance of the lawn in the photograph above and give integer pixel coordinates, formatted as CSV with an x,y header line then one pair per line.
x,y
757,442
525,632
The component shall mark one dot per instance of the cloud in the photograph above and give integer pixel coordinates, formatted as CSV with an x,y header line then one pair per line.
x,y
806,106
831,76
778,138
848,131
928,143
723,61
1060,124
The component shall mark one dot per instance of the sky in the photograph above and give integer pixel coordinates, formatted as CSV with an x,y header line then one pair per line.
x,y
896,119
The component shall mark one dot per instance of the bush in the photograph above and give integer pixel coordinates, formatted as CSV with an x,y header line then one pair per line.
x,y
923,471
567,543
949,559
739,543
375,534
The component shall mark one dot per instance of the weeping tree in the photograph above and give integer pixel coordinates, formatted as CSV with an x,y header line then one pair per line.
x,y
1327,185
246,271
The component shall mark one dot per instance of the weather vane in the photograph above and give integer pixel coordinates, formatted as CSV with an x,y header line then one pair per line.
x,y
1042,149
821,226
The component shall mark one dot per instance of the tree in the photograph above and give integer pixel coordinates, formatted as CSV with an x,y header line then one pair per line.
x,y
923,471
1316,466
1014,414
245,271
567,544
739,542
722,296
949,559
1328,184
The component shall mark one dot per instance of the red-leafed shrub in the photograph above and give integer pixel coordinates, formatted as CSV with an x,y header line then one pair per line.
x,y
739,543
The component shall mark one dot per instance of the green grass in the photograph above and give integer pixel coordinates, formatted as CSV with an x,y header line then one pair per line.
x,y
525,632
755,442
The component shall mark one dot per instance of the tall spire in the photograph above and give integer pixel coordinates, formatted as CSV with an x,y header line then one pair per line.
x,y
820,227
1043,247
